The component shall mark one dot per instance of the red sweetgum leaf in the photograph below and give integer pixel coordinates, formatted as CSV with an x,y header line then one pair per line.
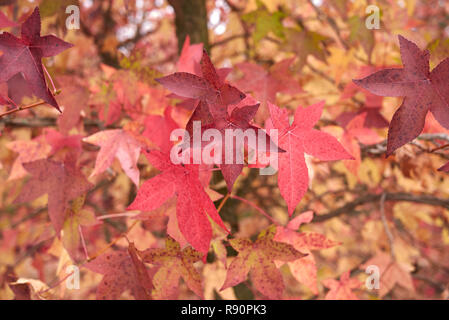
x,y
297,139
193,205
304,270
62,183
121,271
423,90
342,290
24,55
210,88
116,144
239,119
173,264
257,258
214,97
391,272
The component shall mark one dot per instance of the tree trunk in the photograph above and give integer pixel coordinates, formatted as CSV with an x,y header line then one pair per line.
x,y
191,19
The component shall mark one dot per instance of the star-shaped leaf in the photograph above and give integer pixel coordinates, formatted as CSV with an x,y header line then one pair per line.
x,y
122,270
342,290
116,144
297,139
62,182
391,272
304,270
193,205
239,119
25,55
257,258
173,264
423,90
210,88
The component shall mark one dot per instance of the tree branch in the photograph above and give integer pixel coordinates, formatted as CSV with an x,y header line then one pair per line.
x,y
381,147
370,198
47,122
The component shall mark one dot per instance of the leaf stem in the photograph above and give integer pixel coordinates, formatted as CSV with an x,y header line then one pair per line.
x,y
118,215
83,242
56,284
256,207
222,203
49,77
113,242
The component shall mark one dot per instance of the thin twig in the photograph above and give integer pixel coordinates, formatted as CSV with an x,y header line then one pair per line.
x,y
381,147
56,284
255,207
226,40
118,215
33,105
83,243
113,242
385,224
444,146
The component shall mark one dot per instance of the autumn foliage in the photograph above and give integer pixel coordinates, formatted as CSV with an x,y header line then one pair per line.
x,y
92,205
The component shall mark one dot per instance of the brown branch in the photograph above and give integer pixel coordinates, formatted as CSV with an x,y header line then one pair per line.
x,y
224,41
434,136
444,146
30,216
48,122
30,106
381,147
370,198
33,105
246,32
